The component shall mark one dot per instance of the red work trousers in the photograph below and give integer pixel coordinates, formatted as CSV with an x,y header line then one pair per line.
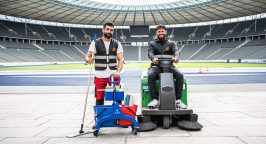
x,y
100,84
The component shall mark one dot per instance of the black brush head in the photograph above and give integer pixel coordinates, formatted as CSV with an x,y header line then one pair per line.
x,y
147,126
189,125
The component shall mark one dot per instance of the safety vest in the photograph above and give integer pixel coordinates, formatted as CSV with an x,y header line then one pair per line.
x,y
102,60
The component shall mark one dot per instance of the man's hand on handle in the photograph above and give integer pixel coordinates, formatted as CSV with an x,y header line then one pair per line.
x,y
116,74
89,60
155,60
175,60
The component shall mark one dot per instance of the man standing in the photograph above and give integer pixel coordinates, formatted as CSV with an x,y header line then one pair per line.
x,y
162,46
108,55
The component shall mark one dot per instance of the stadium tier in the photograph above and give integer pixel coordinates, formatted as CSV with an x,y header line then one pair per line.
x,y
20,42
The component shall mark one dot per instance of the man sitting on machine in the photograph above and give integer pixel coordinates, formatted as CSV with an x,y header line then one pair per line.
x,y
162,47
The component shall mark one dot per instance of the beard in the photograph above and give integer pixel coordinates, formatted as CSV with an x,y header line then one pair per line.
x,y
161,37
108,35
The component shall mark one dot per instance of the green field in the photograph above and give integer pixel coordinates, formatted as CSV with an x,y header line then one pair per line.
x,y
136,65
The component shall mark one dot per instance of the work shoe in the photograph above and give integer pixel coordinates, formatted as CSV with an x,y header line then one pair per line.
x,y
180,105
154,103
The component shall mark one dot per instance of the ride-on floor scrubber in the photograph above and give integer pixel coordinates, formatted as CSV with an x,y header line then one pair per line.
x,y
166,114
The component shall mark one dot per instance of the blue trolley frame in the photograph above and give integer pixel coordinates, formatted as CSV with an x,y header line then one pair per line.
x,y
114,113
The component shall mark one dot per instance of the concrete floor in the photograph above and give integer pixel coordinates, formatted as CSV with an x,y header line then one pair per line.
x,y
230,114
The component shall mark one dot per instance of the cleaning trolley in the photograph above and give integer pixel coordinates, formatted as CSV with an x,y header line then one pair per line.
x,y
115,115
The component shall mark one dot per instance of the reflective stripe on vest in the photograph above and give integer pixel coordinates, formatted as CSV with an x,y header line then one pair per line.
x,y
100,57
105,57
112,57
112,64
104,65
100,65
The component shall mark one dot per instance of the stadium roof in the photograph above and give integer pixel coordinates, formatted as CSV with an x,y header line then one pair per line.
x,y
131,12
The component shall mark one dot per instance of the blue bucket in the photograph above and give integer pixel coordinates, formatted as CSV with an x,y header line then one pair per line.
x,y
110,94
102,111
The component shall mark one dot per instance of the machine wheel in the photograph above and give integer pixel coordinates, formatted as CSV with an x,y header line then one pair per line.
x,y
171,120
166,122
95,133
135,131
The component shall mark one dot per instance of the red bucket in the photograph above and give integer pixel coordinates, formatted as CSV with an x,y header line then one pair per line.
x,y
130,111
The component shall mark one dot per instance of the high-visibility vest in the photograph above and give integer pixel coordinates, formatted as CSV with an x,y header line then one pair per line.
x,y
102,59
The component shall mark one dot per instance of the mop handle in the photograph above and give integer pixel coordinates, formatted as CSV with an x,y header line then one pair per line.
x,y
86,99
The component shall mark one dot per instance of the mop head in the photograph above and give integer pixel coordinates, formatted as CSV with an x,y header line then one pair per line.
x,y
189,125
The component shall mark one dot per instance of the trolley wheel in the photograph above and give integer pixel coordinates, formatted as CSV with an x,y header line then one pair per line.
x,y
135,131
95,133
166,122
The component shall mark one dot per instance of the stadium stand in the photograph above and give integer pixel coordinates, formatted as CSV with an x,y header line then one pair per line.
x,y
131,53
20,42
